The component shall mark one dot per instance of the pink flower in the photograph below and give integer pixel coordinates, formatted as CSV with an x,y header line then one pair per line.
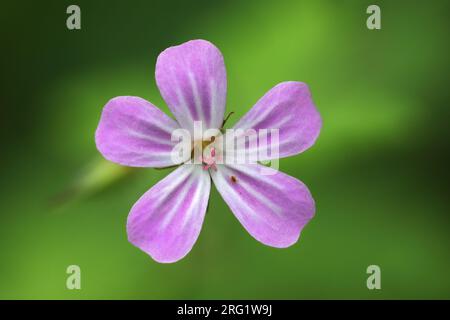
x,y
166,221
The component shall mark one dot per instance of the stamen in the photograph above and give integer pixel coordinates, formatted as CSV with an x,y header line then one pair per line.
x,y
233,179
226,119
209,162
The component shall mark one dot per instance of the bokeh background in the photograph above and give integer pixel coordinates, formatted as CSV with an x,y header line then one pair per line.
x,y
379,171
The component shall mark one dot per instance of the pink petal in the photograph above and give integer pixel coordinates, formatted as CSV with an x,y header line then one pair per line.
x,y
133,132
166,221
272,208
192,80
288,107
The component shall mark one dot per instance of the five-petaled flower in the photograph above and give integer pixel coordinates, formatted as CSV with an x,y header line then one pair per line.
x,y
166,221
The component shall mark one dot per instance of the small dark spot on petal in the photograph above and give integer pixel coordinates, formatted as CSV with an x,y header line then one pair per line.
x,y
233,179
213,138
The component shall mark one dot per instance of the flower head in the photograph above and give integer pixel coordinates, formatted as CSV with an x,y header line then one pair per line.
x,y
166,221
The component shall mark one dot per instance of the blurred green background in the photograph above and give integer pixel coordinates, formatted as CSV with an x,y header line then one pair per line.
x,y
379,171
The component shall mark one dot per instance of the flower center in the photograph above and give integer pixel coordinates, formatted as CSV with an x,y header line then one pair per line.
x,y
209,153
209,161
